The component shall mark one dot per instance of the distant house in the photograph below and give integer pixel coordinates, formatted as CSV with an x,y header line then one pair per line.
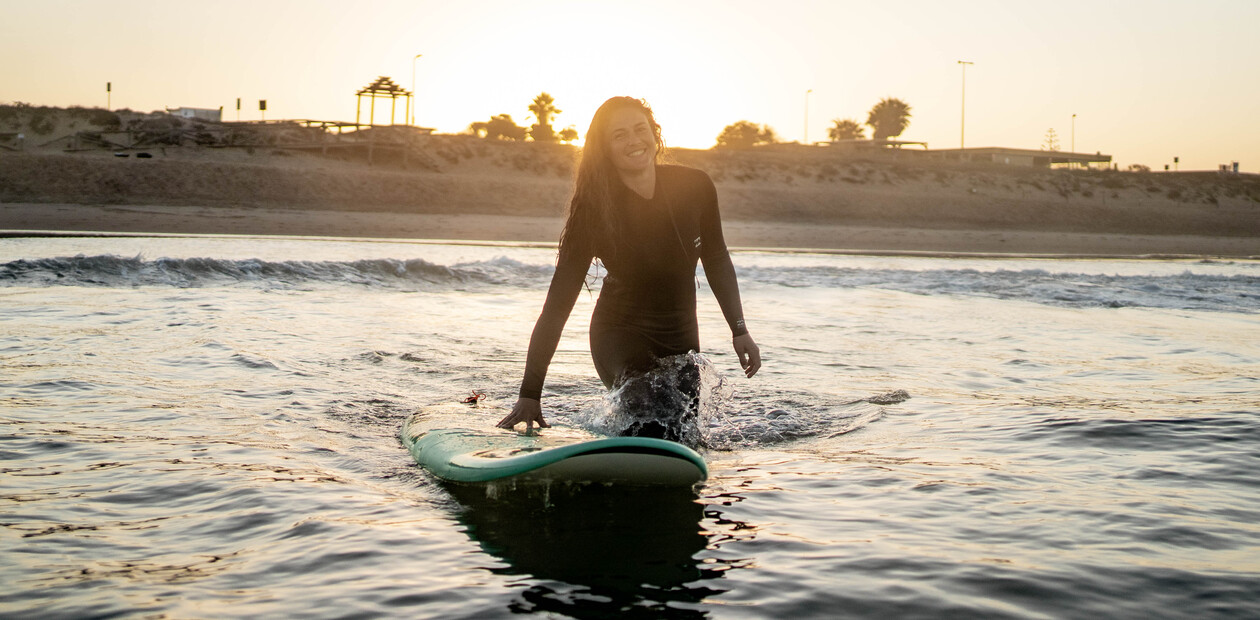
x,y
1020,157
200,114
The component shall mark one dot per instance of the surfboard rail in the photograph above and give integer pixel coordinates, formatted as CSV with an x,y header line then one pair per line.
x,y
481,455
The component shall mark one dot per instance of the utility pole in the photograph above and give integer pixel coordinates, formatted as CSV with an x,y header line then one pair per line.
x,y
806,140
962,138
109,86
412,103
1074,143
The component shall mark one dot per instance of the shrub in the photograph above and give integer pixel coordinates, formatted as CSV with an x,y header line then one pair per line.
x,y
42,123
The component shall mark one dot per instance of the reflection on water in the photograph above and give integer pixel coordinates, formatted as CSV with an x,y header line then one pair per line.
x,y
592,549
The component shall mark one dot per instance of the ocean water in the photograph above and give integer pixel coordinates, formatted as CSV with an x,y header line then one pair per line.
x,y
206,426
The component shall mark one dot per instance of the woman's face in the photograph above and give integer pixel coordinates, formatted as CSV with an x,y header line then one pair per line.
x,y
631,140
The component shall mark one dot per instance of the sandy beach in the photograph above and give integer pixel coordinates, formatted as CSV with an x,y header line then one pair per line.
x,y
786,197
43,219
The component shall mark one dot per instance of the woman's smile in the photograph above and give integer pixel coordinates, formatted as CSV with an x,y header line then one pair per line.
x,y
631,141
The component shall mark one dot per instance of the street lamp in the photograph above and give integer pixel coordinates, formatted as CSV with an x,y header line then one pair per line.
x,y
806,142
962,138
413,89
1073,133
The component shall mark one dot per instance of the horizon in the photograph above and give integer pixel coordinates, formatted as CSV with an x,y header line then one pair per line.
x,y
1160,79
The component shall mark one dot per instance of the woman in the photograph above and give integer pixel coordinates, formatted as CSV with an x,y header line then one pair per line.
x,y
649,224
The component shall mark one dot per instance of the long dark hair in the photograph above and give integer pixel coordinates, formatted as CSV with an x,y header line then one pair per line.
x,y
591,226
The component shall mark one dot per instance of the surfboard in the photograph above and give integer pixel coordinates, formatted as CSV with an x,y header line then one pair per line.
x,y
458,443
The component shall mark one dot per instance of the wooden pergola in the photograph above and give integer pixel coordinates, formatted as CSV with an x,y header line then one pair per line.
x,y
383,87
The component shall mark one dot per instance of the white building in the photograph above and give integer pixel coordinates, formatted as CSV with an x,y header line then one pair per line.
x,y
201,114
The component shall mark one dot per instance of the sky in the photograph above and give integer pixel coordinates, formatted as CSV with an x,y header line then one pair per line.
x,y
1147,81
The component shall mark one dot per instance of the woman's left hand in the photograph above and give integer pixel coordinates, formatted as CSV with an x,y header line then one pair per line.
x,y
749,354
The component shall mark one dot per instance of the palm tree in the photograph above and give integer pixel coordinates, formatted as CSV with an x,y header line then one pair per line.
x,y
543,107
846,129
888,118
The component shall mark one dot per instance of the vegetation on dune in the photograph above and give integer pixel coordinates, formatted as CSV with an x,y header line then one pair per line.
x,y
543,107
1051,141
888,118
500,127
846,129
746,134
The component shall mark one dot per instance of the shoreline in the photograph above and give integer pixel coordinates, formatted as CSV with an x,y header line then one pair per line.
x,y
70,220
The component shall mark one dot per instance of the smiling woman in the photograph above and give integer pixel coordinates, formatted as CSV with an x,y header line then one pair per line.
x,y
649,224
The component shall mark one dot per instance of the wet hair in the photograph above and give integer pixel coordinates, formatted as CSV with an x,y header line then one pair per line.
x,y
591,225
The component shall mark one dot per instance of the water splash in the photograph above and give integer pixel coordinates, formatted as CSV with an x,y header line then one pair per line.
x,y
673,400
688,396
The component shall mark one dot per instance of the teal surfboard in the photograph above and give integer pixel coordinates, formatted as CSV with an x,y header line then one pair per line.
x,y
458,443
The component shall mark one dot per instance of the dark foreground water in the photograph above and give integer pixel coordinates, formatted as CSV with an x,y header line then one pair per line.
x,y
206,427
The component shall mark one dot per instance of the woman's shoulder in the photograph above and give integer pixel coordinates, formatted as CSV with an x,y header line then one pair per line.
x,y
683,175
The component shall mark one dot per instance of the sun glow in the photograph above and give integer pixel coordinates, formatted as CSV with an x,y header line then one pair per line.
x,y
582,54
702,64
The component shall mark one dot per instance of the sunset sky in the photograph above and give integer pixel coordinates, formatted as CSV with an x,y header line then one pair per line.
x,y
1147,80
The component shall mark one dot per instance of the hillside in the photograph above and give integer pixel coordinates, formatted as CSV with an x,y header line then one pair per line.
x,y
785,183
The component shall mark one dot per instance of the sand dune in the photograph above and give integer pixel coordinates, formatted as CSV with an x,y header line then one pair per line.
x,y
786,196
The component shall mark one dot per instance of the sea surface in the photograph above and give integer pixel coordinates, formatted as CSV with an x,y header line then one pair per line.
x,y
207,427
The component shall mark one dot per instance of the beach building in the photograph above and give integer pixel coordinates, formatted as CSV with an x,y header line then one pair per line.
x,y
1020,157
200,114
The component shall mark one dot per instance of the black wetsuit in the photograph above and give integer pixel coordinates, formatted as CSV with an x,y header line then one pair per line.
x,y
647,306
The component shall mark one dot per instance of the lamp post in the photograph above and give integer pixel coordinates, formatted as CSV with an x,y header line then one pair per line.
x,y
806,140
413,89
962,138
1072,164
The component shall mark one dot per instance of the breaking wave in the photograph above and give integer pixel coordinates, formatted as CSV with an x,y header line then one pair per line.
x,y
1222,292
116,271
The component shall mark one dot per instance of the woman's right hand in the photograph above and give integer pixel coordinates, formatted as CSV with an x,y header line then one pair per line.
x,y
527,410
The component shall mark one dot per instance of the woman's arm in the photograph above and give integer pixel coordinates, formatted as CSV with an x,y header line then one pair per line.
x,y
720,272
566,284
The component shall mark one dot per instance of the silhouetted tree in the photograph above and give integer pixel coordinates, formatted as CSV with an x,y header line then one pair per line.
x,y
888,118
568,134
746,134
846,130
500,127
543,107
1052,141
